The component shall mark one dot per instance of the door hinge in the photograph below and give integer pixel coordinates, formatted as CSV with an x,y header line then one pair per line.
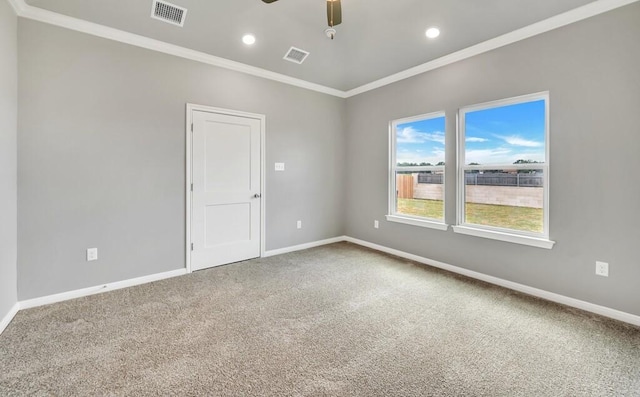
x,y
192,187
191,127
191,246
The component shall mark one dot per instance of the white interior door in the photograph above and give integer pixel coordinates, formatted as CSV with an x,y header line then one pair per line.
x,y
226,197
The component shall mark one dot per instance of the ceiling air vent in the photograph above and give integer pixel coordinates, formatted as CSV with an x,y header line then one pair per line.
x,y
296,55
168,12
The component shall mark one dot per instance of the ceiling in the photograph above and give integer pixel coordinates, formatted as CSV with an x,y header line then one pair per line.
x,y
377,38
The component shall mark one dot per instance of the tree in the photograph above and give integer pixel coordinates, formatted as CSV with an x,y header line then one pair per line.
x,y
474,171
521,161
440,163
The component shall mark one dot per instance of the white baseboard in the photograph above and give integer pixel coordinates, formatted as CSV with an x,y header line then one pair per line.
x,y
4,323
46,300
305,246
550,296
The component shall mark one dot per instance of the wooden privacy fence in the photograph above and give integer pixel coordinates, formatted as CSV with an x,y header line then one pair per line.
x,y
404,186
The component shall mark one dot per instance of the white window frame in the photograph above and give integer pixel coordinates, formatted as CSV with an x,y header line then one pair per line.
x,y
540,240
393,215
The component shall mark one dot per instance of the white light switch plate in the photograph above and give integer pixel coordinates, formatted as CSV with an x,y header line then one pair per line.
x,y
279,166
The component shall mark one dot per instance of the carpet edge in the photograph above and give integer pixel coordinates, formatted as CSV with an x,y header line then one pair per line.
x,y
98,289
6,320
540,293
304,246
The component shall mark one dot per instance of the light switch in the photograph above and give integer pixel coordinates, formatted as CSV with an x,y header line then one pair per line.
x,y
279,166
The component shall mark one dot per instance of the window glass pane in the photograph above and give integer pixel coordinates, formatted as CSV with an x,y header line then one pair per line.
x,y
420,142
505,198
506,134
420,194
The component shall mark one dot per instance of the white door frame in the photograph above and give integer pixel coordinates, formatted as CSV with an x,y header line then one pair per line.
x,y
188,180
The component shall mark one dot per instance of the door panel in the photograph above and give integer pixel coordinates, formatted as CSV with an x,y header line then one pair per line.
x,y
233,155
226,189
227,223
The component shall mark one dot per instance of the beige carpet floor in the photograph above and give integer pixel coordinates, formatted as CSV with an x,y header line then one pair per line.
x,y
338,320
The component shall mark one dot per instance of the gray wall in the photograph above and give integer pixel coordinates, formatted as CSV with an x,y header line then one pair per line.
x,y
591,70
101,153
101,157
8,187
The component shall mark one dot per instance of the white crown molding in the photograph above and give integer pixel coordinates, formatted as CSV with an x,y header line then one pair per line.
x,y
41,15
18,6
38,14
555,22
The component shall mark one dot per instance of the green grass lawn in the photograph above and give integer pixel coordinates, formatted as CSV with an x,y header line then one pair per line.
x,y
427,208
519,218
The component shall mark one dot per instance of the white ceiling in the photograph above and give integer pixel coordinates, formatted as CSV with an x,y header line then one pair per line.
x,y
377,38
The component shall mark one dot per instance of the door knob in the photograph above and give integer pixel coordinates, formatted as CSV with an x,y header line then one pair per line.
x,y
257,195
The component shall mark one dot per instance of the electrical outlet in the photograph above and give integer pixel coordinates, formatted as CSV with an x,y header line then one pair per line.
x,y
602,269
279,167
299,225
376,224
92,254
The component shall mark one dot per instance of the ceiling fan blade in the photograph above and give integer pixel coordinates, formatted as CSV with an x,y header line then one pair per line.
x,y
269,1
334,12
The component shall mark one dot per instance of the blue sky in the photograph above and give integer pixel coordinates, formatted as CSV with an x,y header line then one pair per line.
x,y
506,134
421,141
493,136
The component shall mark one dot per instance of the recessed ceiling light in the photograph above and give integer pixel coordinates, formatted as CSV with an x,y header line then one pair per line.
x,y
432,33
248,39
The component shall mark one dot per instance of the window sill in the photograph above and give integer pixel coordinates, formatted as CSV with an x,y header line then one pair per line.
x,y
417,222
508,237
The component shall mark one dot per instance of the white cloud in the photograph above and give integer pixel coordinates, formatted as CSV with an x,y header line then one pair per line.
x,y
407,156
500,156
518,141
411,135
475,139
439,154
487,156
419,160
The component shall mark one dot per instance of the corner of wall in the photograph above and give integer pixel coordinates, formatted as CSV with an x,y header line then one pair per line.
x,y
8,162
